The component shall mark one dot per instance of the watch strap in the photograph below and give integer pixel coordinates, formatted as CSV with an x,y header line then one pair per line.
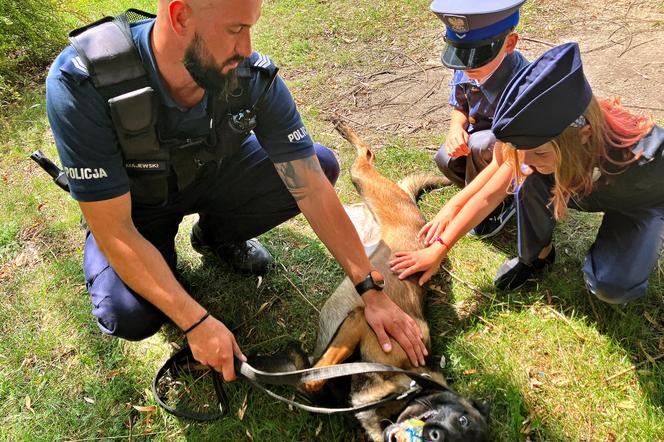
x,y
366,285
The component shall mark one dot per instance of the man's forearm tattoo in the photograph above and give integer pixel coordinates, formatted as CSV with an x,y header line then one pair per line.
x,y
295,174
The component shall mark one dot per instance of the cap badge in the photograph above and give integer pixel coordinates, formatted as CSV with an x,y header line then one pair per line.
x,y
458,23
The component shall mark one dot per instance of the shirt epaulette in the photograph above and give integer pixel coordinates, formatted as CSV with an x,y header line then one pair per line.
x,y
76,69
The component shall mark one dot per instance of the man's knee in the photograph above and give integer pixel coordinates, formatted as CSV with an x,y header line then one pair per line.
x,y
120,312
328,162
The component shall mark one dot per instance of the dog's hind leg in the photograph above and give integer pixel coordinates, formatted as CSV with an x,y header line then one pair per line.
x,y
343,345
394,209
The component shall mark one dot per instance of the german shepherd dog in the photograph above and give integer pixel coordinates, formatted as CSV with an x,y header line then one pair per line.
x,y
344,334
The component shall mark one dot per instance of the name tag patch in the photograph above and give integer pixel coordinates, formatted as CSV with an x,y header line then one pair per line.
x,y
145,166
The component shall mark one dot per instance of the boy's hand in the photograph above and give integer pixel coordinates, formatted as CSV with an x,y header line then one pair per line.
x,y
456,143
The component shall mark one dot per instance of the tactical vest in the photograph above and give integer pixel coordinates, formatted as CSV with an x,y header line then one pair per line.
x,y
157,167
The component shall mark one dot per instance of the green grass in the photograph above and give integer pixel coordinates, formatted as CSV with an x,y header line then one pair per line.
x,y
542,355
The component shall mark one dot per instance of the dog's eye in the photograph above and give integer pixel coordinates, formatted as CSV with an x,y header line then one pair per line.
x,y
463,420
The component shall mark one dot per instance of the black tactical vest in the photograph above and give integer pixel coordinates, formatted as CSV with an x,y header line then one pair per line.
x,y
158,167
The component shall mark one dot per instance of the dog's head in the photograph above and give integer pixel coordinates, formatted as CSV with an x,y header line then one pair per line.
x,y
441,417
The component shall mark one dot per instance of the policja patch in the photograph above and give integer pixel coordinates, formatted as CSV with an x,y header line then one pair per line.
x,y
476,30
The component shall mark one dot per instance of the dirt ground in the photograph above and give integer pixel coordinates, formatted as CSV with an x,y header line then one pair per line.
x,y
622,45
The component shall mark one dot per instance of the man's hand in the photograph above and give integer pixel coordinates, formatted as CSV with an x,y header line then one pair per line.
x,y
386,318
425,260
456,143
213,344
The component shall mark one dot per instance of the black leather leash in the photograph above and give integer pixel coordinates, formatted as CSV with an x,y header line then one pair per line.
x,y
419,383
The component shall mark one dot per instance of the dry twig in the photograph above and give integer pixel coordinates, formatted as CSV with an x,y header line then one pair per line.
x,y
632,368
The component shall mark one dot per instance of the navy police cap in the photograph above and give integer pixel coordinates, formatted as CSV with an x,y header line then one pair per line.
x,y
475,30
543,99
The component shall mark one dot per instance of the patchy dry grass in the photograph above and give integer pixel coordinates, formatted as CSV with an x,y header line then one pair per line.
x,y
556,364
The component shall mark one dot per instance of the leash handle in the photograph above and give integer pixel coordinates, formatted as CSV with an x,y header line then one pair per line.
x,y
178,358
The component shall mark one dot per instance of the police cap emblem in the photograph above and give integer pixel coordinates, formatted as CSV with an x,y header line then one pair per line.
x,y
457,23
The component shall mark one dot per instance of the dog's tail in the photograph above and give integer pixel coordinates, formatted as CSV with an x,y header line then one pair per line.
x,y
415,185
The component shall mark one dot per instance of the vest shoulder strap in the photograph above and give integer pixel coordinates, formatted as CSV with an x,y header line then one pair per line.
x,y
107,49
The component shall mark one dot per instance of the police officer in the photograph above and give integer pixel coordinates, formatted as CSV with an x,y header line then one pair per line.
x,y
206,128
480,46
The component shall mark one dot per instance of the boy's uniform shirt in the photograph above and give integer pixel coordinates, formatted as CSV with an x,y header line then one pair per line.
x,y
479,101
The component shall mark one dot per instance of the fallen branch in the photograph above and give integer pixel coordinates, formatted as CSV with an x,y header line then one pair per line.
x,y
467,284
632,368
566,321
536,40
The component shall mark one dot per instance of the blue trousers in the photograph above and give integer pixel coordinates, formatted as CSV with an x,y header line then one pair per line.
x,y
462,170
627,247
241,200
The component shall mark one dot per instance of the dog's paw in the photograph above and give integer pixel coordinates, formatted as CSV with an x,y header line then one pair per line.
x,y
312,387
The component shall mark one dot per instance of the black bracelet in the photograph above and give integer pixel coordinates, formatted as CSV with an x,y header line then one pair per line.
x,y
197,323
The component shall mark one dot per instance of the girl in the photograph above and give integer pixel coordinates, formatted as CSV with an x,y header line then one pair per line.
x,y
562,147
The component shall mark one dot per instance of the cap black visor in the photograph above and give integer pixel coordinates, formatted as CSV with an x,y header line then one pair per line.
x,y
464,56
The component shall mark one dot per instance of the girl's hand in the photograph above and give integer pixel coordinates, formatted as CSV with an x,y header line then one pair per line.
x,y
425,260
437,225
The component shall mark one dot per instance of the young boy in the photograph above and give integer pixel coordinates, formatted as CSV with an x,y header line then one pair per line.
x,y
480,47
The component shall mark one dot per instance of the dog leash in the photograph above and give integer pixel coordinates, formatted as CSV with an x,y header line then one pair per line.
x,y
419,383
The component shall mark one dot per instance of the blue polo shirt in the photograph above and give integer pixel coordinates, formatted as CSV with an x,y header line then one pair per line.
x,y
85,136
479,102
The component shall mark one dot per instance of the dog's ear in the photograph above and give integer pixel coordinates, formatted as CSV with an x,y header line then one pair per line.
x,y
483,407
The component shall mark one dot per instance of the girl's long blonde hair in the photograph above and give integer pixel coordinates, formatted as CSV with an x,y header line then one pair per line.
x,y
613,131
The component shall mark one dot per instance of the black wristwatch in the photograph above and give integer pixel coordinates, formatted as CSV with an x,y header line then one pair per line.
x,y
373,281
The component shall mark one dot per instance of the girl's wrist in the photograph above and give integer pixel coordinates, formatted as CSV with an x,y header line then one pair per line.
x,y
442,243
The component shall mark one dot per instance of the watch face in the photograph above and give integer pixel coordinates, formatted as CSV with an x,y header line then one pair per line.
x,y
378,279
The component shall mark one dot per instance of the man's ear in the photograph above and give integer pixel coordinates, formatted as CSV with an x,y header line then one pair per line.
x,y
586,132
179,14
512,40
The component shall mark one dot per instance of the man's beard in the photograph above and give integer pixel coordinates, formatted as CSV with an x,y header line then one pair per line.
x,y
207,74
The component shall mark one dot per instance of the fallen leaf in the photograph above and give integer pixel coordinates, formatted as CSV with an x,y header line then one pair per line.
x,y
145,408
319,428
243,408
262,307
260,281
249,435
627,405
28,403
113,373
89,400
470,371
525,425
535,384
